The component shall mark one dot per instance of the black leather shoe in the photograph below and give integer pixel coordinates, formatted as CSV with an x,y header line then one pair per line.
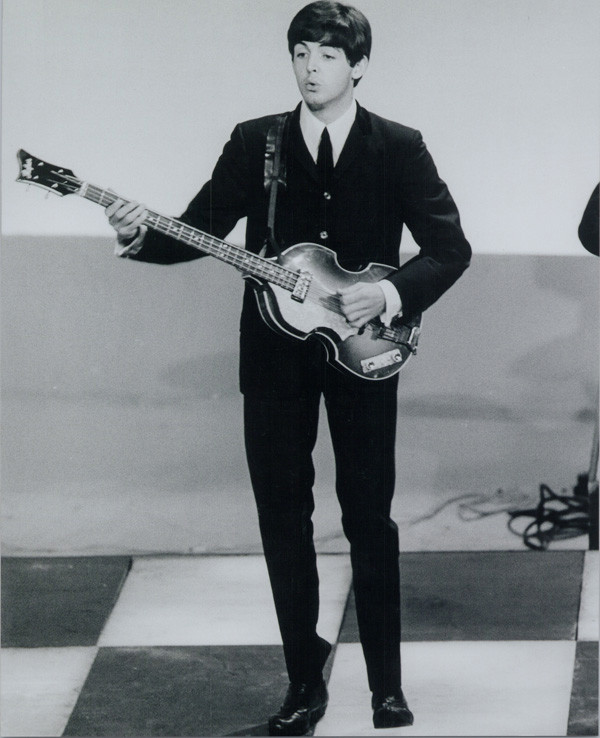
x,y
391,711
303,707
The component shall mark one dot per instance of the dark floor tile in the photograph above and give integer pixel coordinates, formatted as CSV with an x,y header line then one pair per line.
x,y
58,601
583,713
485,595
180,691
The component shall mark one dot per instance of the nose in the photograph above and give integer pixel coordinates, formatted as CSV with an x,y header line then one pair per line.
x,y
313,63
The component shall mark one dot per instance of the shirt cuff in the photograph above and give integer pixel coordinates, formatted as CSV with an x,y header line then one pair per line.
x,y
128,247
393,304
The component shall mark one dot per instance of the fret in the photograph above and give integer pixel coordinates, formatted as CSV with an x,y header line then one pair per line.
x,y
100,197
90,193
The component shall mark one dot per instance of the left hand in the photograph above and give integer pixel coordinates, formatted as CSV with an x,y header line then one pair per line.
x,y
361,302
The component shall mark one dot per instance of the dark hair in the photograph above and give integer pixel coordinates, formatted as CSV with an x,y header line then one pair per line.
x,y
333,24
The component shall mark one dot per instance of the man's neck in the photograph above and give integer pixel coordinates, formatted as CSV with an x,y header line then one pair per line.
x,y
332,112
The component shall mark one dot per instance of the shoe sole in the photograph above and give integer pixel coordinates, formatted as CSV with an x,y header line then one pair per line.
x,y
390,723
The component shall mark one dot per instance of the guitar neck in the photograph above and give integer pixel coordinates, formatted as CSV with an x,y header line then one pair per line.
x,y
247,262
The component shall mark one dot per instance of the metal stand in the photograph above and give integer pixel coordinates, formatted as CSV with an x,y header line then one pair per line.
x,y
592,486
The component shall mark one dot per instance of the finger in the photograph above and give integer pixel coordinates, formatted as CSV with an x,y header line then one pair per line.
x,y
121,212
126,214
136,216
352,313
355,309
358,314
113,207
349,297
357,322
349,292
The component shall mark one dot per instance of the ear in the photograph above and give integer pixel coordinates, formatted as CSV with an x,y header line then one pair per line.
x,y
360,68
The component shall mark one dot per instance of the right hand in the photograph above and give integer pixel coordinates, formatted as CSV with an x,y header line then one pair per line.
x,y
127,218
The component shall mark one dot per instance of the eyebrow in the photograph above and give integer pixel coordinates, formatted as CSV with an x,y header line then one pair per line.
x,y
321,45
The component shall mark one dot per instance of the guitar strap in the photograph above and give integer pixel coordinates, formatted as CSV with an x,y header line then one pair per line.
x,y
274,176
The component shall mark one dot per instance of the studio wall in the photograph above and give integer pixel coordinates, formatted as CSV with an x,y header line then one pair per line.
x,y
141,95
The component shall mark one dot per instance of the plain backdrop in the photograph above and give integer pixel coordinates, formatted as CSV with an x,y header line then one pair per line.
x,y
141,95
121,414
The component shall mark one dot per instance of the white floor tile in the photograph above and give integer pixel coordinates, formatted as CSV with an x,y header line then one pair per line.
x,y
221,600
461,688
40,687
590,598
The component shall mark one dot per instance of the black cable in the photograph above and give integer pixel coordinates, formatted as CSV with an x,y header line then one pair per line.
x,y
556,517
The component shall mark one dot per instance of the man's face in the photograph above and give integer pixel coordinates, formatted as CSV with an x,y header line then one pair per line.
x,y
324,75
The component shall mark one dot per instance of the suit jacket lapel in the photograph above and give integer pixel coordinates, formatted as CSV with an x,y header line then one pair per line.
x,y
355,144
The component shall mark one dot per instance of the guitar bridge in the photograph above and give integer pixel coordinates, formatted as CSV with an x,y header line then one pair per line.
x,y
301,287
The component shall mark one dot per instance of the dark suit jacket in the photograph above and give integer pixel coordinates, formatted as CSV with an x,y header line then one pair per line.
x,y
588,228
385,178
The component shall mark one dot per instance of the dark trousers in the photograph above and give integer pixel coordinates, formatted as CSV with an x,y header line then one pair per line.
x,y
280,435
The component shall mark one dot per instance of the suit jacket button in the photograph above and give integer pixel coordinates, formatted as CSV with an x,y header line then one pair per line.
x,y
323,235
327,195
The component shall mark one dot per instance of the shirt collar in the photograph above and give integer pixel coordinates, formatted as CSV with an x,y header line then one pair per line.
x,y
312,128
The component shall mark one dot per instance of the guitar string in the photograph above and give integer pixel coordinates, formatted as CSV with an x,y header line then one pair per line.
x,y
329,300
196,238
239,257
234,255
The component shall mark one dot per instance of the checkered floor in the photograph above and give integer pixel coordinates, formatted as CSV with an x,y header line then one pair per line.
x,y
495,643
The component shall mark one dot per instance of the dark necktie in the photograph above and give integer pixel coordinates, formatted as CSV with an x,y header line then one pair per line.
x,y
325,158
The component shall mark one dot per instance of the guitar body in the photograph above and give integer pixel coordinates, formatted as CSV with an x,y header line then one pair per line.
x,y
372,353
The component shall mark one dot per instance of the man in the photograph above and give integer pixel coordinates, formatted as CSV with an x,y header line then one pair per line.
x,y
353,180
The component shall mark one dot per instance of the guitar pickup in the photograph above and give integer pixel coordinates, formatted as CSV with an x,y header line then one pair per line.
x,y
374,363
301,287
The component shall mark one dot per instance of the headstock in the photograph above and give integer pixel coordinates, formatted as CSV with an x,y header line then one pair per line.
x,y
37,172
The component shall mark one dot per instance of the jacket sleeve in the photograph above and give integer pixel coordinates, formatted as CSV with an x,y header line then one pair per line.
x,y
588,228
432,217
216,209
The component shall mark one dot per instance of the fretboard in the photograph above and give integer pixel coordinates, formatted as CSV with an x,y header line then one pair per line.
x,y
245,261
